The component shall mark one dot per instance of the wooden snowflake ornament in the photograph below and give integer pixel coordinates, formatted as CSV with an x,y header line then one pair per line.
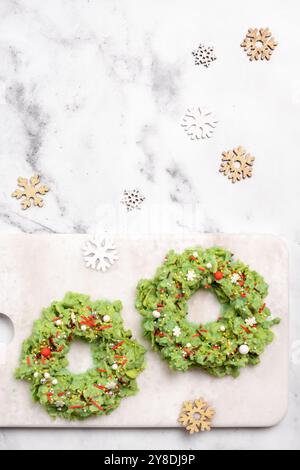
x,y
30,192
196,416
259,44
237,164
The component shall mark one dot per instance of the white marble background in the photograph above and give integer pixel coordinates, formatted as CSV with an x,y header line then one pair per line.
x,y
91,97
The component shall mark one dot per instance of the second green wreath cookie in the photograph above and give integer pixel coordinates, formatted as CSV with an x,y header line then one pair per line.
x,y
118,359
223,347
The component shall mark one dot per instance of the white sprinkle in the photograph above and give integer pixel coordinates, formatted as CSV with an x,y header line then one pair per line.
x,y
106,318
35,375
209,265
83,328
244,349
46,375
58,322
54,382
188,345
114,366
195,254
156,314
222,328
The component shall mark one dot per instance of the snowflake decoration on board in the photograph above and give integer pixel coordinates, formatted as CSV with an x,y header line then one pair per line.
x,y
196,416
259,44
204,55
199,123
237,164
30,192
99,254
132,199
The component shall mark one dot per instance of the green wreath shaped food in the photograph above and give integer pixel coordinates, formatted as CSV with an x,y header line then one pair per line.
x,y
117,357
222,347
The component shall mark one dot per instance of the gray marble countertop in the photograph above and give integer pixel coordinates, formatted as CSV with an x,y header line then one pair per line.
x,y
92,93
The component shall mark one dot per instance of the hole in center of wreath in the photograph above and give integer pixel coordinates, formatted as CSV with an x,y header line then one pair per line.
x,y
197,416
6,329
80,357
203,307
237,164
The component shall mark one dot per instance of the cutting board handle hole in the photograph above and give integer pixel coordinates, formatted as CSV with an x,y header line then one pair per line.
x,y
7,330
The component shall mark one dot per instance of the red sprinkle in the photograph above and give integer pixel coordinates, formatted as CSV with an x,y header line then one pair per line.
x,y
118,345
104,327
199,333
262,308
207,286
49,395
88,321
75,407
201,269
56,318
124,362
96,405
245,329
216,347
243,295
100,387
179,296
101,370
61,394
28,361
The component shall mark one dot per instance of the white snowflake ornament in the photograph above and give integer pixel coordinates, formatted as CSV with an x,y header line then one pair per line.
x,y
111,385
204,55
100,254
176,331
235,278
251,321
132,199
191,276
199,123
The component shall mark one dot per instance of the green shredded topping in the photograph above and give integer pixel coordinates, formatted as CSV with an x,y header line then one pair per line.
x,y
222,347
118,359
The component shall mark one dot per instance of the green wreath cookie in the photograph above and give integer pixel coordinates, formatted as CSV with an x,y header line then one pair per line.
x,y
222,347
118,359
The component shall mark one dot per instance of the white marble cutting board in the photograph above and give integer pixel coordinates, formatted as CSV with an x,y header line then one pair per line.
x,y
36,269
